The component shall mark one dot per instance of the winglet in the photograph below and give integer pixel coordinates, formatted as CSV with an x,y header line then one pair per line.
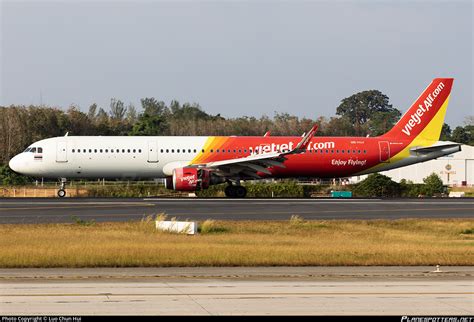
x,y
303,144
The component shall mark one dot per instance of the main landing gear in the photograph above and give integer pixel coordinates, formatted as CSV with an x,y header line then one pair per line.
x,y
62,190
235,191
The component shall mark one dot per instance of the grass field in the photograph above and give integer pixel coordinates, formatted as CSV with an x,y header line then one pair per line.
x,y
291,243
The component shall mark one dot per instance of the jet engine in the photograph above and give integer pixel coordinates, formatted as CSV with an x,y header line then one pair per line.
x,y
191,179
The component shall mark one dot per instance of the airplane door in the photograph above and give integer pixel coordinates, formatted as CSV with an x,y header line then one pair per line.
x,y
61,151
384,149
152,152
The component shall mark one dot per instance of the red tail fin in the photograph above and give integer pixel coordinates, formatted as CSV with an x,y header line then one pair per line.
x,y
427,112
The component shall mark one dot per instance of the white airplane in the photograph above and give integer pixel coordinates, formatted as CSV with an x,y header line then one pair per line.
x,y
194,163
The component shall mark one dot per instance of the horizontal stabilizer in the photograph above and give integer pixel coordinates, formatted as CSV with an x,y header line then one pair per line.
x,y
451,148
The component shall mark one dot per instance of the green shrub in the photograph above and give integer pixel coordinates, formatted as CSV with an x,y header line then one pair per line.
x,y
284,189
412,190
129,191
377,185
433,184
10,178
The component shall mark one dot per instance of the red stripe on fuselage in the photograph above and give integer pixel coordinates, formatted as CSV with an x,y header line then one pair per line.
x,y
326,157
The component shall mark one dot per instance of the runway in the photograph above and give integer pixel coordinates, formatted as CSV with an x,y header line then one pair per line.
x,y
238,290
55,210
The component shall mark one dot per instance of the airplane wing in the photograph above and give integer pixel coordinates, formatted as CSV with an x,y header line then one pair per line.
x,y
250,166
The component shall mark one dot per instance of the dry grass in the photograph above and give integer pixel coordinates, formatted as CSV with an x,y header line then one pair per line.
x,y
296,242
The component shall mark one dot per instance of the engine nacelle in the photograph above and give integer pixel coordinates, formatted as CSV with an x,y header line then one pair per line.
x,y
188,179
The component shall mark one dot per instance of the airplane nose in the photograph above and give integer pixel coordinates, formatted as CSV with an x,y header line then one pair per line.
x,y
14,164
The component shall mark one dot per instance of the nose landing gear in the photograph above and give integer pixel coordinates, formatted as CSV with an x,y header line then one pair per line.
x,y
62,186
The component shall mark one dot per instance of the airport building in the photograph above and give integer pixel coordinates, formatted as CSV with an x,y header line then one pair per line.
x,y
455,169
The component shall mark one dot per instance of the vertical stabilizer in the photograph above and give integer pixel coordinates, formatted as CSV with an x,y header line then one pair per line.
x,y
425,118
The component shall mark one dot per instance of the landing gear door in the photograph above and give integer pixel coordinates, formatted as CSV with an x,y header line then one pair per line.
x,y
61,151
152,152
384,149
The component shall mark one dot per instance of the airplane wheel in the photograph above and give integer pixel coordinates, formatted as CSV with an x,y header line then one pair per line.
x,y
235,191
230,191
240,192
61,193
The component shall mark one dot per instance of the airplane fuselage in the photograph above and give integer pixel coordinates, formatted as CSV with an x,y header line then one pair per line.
x,y
156,157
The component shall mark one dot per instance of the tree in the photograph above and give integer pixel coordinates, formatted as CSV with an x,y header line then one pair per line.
x,y
117,109
445,133
131,114
360,108
460,135
153,107
433,184
381,122
469,127
339,126
92,111
149,125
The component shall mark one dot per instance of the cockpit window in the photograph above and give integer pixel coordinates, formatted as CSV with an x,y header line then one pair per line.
x,y
40,150
27,149
33,150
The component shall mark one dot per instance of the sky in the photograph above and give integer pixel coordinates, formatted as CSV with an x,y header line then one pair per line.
x,y
235,58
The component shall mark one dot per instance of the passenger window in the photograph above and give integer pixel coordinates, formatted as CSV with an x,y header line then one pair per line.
x,y
189,150
337,151
365,151
100,150
139,150
111,150
95,150
90,150
128,150
172,150
358,151
195,150
202,150
217,150
134,150
177,151
212,150
106,150
72,150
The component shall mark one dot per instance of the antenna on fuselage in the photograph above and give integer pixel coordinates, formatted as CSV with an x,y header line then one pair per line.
x,y
67,133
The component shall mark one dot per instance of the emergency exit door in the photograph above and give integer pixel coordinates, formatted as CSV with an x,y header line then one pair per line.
x,y
384,149
61,151
152,152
